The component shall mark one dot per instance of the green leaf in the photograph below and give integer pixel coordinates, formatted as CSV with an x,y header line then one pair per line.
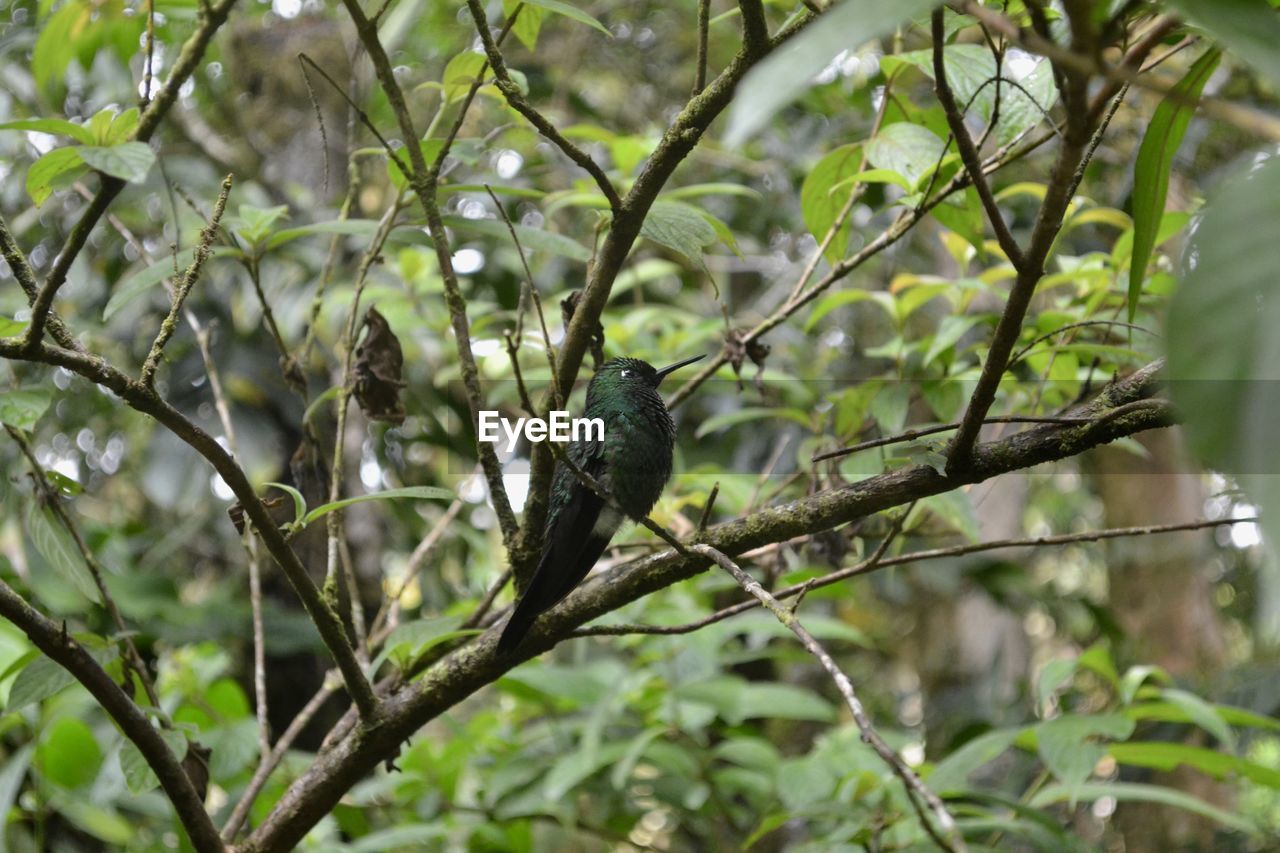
x,y
1066,747
971,71
58,126
37,681
1135,677
413,836
1151,170
137,283
45,171
410,639
129,161
821,201
1224,355
767,824
12,328
571,12
1249,28
536,239
698,190
424,493
44,677
1168,756
137,772
68,754
59,550
1168,712
952,328
1203,714
56,45
790,70
461,73
299,502
952,772
679,226
840,298
527,25
575,767
1097,659
1054,674
907,149
1136,792
234,746
751,413
761,699
123,125
12,775
353,227
621,772
254,223
22,409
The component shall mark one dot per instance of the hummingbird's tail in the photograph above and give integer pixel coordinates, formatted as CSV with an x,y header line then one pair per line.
x,y
518,625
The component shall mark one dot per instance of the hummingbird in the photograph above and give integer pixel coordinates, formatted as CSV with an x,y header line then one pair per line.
x,y
632,463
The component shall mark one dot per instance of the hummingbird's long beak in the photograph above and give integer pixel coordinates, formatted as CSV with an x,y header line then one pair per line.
x,y
662,374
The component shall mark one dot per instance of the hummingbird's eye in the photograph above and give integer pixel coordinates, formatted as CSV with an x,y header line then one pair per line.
x,y
625,374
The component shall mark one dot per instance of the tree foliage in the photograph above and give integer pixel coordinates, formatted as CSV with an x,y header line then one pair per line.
x,y
265,264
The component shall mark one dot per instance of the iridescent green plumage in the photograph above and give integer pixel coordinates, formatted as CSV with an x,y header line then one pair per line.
x,y
632,462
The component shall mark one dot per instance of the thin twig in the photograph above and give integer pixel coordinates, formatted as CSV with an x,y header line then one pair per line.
x,y
920,432
945,835
336,473
183,287
700,62
964,144
1020,354
424,181
272,759
872,564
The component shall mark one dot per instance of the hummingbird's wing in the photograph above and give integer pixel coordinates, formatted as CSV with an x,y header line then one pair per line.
x,y
580,529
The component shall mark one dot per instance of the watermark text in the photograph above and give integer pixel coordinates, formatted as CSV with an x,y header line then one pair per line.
x,y
558,426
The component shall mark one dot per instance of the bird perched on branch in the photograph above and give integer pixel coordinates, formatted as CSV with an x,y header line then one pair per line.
x,y
632,463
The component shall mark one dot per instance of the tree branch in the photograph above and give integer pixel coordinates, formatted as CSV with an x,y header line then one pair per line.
x,y
964,144
915,788
146,401
52,639
511,91
183,287
873,564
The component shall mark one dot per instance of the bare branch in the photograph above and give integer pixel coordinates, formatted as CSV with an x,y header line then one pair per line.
x,y
183,287
700,62
949,836
873,564
921,432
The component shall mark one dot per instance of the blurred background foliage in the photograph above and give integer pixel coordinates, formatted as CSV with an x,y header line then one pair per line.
x,y
1116,695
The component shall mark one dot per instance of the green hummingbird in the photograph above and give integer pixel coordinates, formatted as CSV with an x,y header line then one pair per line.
x,y
632,463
